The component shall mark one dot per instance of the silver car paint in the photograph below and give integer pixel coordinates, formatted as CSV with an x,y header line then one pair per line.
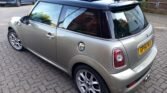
x,y
132,44
62,51
36,37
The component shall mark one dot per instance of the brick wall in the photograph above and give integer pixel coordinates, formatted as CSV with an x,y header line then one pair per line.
x,y
158,6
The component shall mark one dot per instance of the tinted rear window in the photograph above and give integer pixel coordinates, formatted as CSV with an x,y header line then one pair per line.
x,y
86,21
128,22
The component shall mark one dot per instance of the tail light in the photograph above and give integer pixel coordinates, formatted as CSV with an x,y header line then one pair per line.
x,y
119,59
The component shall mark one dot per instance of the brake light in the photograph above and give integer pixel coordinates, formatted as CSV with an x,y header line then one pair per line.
x,y
119,59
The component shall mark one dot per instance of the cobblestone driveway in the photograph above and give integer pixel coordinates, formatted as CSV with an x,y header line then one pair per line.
x,y
23,72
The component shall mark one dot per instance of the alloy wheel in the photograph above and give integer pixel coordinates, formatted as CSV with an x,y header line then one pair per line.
x,y
87,82
15,41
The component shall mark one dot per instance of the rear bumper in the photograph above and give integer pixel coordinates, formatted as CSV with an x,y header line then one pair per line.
x,y
119,82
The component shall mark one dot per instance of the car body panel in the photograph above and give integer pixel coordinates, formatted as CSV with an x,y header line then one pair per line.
x,y
132,44
132,74
13,24
63,51
67,49
35,37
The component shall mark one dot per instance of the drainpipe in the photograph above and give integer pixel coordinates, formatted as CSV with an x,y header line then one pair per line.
x,y
157,4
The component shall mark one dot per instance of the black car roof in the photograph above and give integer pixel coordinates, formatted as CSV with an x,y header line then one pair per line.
x,y
95,4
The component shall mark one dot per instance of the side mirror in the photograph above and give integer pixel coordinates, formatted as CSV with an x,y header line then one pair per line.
x,y
25,20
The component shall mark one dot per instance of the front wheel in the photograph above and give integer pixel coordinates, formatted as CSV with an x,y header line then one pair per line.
x,y
89,81
14,41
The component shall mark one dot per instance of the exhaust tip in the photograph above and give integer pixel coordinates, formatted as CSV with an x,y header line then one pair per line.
x,y
147,78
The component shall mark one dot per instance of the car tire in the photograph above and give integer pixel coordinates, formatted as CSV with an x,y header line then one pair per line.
x,y
14,41
91,82
34,2
18,3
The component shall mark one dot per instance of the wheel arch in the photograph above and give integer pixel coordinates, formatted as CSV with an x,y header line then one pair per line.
x,y
84,60
11,29
76,65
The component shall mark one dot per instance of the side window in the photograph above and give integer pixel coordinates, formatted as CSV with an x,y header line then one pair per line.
x,y
46,13
81,20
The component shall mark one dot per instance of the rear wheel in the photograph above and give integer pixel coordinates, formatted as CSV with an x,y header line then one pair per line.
x,y
89,81
14,41
18,3
34,1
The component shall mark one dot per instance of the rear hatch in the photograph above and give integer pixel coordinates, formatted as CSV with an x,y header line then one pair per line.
x,y
133,31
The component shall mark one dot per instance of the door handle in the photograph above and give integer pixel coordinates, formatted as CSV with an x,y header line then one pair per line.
x,y
49,35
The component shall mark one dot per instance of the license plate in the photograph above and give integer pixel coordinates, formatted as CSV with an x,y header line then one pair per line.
x,y
144,48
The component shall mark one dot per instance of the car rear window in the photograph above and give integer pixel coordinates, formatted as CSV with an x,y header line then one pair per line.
x,y
128,22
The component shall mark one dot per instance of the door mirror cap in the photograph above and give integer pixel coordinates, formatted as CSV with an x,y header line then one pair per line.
x,y
25,20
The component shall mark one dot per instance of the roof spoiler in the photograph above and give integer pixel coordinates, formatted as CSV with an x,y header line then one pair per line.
x,y
119,6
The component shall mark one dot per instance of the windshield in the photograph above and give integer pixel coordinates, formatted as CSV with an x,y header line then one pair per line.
x,y
128,22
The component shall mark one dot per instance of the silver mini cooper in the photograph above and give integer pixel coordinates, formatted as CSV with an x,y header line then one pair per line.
x,y
106,46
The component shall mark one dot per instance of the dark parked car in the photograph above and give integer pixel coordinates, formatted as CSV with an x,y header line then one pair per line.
x,y
17,2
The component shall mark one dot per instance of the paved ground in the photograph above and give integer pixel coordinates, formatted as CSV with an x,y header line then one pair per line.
x,y
158,81
22,72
